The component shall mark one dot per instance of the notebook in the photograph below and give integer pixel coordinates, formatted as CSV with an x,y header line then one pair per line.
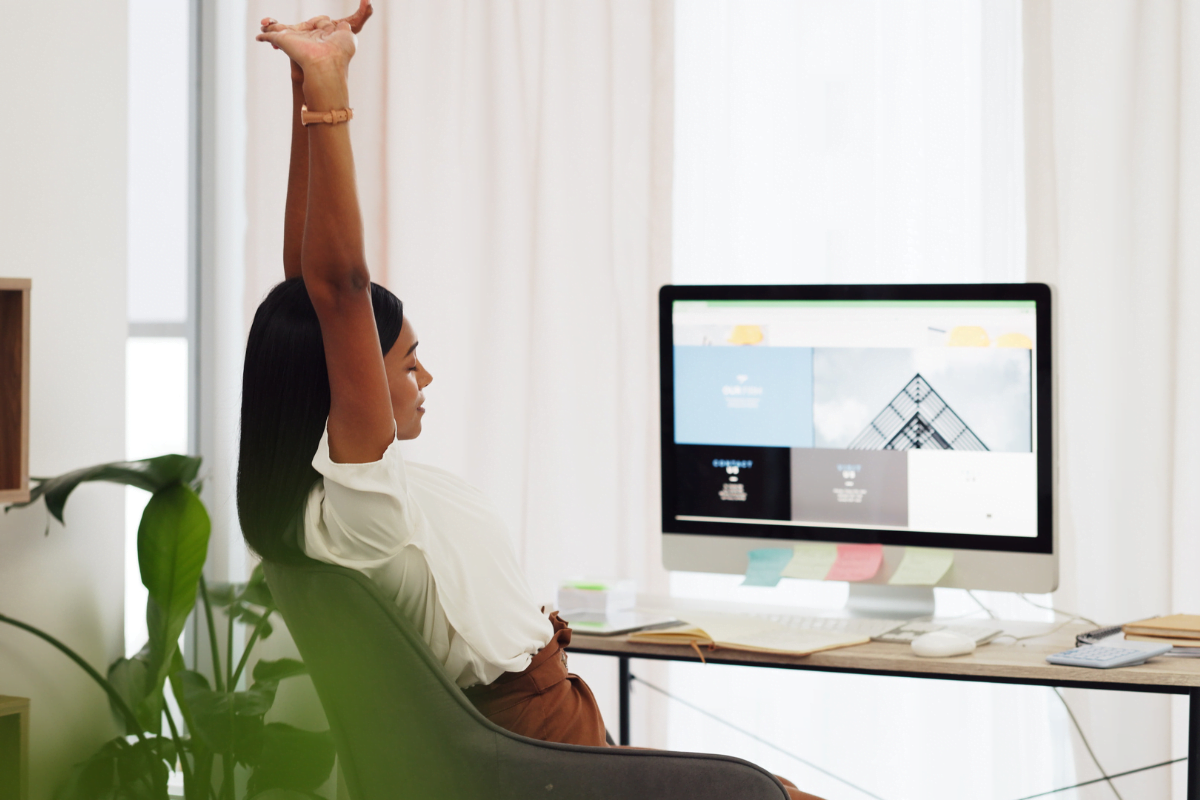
x,y
1181,647
617,622
1176,626
752,634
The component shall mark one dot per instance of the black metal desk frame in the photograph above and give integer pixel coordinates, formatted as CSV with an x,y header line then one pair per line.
x,y
1193,693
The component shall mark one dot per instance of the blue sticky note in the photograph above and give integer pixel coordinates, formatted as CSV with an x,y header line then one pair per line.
x,y
765,566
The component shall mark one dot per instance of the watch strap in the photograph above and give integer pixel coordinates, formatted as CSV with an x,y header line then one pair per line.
x,y
332,117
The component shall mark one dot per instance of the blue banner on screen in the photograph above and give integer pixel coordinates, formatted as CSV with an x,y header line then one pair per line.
x,y
744,396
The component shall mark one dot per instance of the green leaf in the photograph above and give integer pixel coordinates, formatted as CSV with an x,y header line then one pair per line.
x,y
257,591
151,474
131,678
275,671
251,618
255,701
221,595
249,603
285,794
247,740
292,758
176,677
227,722
172,547
121,771
211,712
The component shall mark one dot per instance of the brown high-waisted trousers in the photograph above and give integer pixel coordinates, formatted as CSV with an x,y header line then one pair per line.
x,y
549,703
545,701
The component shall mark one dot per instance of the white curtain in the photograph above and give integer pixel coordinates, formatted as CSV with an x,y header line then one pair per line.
x,y
1114,173
514,165
846,142
514,160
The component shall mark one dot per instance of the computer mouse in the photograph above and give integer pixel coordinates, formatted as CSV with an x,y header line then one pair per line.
x,y
942,644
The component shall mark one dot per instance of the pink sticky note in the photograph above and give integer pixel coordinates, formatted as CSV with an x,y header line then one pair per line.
x,y
856,562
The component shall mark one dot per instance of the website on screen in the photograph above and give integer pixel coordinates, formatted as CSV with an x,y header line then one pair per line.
x,y
900,415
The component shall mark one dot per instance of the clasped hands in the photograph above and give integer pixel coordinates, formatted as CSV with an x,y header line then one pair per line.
x,y
317,45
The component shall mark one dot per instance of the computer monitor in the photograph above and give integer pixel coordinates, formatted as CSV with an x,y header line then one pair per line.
x,y
903,415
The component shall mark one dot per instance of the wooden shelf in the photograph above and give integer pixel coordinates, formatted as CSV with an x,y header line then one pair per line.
x,y
14,390
14,748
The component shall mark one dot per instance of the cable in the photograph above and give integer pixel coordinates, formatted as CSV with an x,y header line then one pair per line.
x,y
1070,618
1050,632
1079,729
1057,611
979,603
1110,777
1104,776
756,738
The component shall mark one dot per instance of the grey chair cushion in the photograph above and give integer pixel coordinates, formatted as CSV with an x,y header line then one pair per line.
x,y
403,729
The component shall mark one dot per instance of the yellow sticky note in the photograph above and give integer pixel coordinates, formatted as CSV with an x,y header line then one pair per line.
x,y
811,560
922,566
746,334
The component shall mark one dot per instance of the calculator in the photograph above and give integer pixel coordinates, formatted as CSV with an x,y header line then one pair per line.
x,y
1102,656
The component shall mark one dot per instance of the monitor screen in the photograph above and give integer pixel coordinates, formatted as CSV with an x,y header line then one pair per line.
x,y
895,414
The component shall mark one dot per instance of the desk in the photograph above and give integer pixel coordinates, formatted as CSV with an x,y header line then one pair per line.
x,y
1020,662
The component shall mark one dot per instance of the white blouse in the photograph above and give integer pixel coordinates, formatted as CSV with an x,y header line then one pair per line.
x,y
436,545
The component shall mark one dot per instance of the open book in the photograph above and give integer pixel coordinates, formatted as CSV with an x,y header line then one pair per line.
x,y
744,632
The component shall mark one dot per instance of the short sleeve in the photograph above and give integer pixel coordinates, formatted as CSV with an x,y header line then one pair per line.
x,y
362,514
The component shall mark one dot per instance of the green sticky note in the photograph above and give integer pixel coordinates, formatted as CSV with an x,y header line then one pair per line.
x,y
765,566
811,561
922,566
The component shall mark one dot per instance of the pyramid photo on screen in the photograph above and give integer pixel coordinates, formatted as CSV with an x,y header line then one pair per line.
x,y
917,419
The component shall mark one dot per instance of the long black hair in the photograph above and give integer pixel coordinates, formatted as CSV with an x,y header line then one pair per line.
x,y
285,404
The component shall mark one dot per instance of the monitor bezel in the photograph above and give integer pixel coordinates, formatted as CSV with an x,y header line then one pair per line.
x,y
1036,292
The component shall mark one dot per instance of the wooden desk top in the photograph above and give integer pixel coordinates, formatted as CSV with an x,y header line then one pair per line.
x,y
1003,661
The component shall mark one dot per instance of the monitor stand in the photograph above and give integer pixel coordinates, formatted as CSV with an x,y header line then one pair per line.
x,y
890,602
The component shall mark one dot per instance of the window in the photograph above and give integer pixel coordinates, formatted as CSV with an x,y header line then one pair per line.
x,y
160,350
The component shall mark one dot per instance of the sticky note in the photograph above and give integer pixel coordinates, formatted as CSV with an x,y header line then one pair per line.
x,y
765,566
856,562
811,560
922,566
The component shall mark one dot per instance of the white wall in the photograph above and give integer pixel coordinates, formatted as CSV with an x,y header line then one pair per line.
x,y
62,221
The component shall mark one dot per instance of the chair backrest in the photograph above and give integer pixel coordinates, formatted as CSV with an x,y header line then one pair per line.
x,y
392,710
403,729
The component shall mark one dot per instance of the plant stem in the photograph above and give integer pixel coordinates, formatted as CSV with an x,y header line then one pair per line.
x,y
187,777
212,636
202,768
229,679
131,719
227,789
258,629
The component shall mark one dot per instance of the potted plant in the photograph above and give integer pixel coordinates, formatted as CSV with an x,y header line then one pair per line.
x,y
219,726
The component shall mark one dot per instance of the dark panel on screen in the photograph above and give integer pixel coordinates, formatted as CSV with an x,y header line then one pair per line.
x,y
739,482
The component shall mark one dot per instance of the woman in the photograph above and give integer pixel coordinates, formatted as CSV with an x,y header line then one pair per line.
x,y
332,386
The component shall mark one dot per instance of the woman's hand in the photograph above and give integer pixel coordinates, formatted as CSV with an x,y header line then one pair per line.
x,y
356,21
326,46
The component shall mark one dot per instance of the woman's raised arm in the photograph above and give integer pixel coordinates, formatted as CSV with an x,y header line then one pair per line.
x,y
333,264
296,207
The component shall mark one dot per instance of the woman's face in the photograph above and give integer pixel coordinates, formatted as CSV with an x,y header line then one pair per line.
x,y
406,380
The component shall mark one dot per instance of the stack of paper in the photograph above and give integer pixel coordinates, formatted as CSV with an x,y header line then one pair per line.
x,y
1182,631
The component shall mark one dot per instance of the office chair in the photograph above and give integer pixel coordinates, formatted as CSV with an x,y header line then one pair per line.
x,y
403,729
